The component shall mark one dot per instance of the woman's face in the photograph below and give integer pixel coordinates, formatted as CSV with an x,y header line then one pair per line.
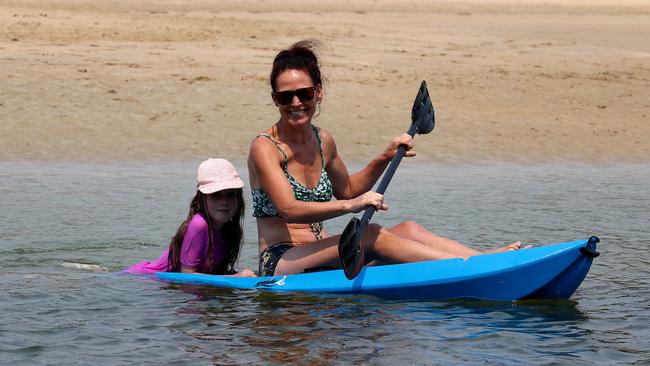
x,y
295,108
222,205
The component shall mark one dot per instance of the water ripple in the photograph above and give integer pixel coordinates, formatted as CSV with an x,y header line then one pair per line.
x,y
57,313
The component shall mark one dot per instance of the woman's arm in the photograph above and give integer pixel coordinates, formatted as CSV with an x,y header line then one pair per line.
x,y
350,186
267,163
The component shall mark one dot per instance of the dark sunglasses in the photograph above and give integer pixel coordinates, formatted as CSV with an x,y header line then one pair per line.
x,y
286,97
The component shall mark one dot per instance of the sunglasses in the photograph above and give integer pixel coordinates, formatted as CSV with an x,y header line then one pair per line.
x,y
286,97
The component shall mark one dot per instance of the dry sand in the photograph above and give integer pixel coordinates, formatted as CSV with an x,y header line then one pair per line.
x,y
529,81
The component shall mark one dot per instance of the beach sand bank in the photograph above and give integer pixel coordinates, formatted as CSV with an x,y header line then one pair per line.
x,y
529,81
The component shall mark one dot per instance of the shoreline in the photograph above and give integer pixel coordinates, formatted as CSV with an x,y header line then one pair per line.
x,y
515,82
352,165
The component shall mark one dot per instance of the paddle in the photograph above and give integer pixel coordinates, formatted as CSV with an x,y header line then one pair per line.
x,y
351,250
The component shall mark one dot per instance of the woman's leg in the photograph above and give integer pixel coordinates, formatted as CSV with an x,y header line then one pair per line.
x,y
394,245
379,245
413,231
386,246
320,253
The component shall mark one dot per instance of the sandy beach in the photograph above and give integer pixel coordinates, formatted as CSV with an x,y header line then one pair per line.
x,y
521,81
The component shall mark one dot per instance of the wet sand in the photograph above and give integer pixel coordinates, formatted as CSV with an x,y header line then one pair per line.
x,y
529,81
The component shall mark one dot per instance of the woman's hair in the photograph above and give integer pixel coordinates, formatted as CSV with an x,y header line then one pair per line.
x,y
300,56
232,232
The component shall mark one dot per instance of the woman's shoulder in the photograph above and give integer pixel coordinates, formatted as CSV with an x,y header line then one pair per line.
x,y
263,140
265,147
266,135
324,133
327,141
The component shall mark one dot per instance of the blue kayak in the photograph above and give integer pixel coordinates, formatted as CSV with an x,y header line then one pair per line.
x,y
544,272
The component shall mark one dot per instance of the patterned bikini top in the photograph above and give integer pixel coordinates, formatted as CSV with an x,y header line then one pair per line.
x,y
262,205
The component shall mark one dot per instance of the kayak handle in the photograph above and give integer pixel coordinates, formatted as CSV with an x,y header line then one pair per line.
x,y
590,249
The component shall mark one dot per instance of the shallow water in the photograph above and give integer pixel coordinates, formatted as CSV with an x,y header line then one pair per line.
x,y
65,228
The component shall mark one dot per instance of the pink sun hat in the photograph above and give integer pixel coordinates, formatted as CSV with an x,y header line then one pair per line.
x,y
215,175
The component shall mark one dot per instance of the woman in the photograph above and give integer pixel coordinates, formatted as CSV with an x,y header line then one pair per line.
x,y
210,238
295,170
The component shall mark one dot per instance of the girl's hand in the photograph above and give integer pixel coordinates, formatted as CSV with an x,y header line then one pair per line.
x,y
403,140
368,199
245,273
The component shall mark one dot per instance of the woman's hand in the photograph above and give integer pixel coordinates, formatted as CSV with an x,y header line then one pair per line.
x,y
245,273
368,199
403,140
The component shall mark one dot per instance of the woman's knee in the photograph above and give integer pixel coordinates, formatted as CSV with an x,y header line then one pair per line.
x,y
375,230
373,234
408,227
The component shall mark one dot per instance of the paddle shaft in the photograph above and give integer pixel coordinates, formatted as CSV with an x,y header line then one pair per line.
x,y
351,251
388,175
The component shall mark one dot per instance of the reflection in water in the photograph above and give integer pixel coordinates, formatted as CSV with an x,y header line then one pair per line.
x,y
299,328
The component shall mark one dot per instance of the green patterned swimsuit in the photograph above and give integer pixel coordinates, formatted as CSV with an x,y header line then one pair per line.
x,y
264,207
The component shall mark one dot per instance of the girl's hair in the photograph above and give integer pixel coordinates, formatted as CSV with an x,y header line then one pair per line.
x,y
232,232
300,56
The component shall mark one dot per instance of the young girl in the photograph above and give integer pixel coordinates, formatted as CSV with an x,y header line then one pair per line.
x,y
209,240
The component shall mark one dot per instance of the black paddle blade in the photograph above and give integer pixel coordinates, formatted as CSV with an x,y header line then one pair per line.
x,y
422,114
350,250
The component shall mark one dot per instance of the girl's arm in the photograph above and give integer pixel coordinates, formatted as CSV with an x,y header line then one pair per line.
x,y
244,273
195,243
266,162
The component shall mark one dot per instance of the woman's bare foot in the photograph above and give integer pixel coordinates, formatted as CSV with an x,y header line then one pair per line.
x,y
512,246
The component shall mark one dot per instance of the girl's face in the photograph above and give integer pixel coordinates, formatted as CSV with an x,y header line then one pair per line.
x,y
222,206
296,96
